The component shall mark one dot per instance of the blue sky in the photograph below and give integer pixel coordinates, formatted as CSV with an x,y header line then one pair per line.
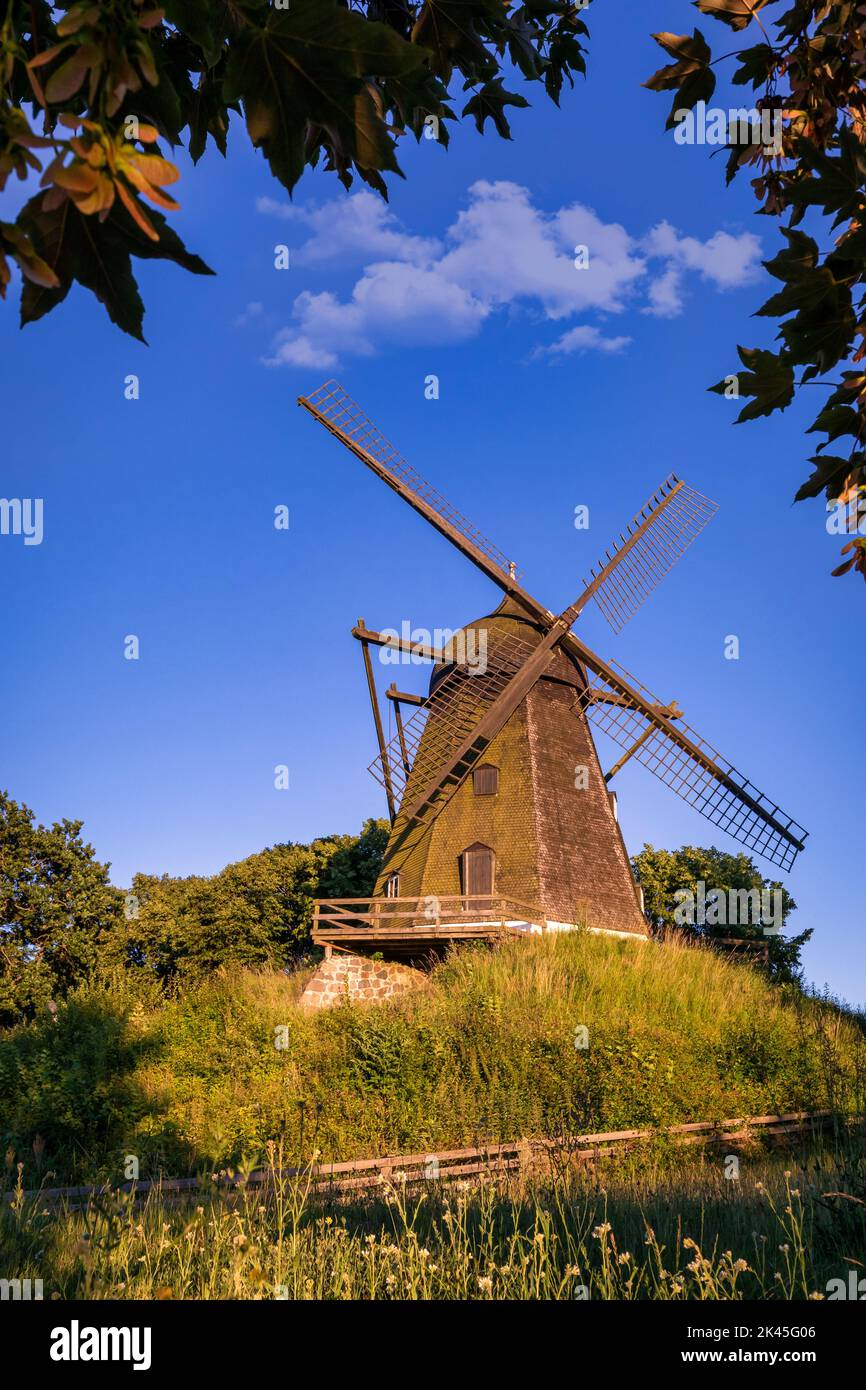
x,y
558,387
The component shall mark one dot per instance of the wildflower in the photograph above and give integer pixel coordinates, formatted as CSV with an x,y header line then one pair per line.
x,y
784,1249
485,1283
740,1266
601,1231
624,1258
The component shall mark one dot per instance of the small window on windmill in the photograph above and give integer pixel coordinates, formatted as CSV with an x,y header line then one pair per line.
x,y
478,864
392,886
485,780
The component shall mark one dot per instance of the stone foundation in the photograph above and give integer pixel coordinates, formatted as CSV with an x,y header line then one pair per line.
x,y
345,978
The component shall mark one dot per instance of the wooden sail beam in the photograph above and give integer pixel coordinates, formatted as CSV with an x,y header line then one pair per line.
x,y
380,733
385,639
402,697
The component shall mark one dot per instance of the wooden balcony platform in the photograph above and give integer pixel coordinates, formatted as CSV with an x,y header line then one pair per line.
x,y
415,927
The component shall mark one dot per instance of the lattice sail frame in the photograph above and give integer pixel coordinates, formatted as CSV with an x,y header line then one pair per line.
x,y
622,592
626,724
458,703
345,418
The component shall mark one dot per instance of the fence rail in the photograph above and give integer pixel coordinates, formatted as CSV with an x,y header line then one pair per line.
x,y
521,1155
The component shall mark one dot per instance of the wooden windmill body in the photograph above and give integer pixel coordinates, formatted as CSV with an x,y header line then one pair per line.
x,y
501,817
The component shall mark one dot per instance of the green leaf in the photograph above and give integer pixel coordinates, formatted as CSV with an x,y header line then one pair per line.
x,y
690,76
199,20
77,248
769,379
489,104
806,293
837,180
830,472
449,30
302,81
98,256
836,421
208,115
756,65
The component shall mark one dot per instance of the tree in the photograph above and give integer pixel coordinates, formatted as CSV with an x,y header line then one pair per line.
x,y
59,915
707,894
336,82
255,912
808,66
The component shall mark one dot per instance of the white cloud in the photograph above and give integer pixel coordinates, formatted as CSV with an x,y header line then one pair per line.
x,y
584,338
500,253
253,311
725,261
357,228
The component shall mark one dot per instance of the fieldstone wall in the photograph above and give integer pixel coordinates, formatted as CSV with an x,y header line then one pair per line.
x,y
357,980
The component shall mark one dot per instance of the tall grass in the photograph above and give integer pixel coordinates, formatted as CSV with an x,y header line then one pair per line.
x,y
653,1226
485,1051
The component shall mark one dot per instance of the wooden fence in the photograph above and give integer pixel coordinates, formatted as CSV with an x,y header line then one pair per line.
x,y
518,1156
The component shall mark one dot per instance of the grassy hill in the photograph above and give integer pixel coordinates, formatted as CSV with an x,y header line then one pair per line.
x,y
486,1050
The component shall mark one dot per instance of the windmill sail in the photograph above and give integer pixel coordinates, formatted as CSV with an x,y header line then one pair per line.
x,y
628,713
336,410
661,532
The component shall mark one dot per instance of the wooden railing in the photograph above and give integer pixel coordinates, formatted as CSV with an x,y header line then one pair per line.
x,y
416,916
517,1156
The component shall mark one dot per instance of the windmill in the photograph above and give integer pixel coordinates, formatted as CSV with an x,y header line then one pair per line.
x,y
500,814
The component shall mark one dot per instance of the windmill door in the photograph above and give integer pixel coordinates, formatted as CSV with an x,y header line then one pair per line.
x,y
479,870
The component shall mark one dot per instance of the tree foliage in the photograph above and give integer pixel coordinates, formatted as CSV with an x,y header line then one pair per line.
x,y
807,65
663,874
62,923
255,912
88,91
59,915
